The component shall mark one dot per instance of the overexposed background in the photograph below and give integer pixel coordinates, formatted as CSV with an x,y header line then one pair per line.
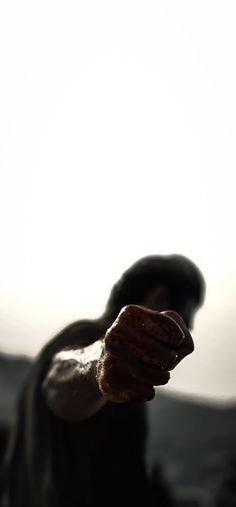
x,y
117,131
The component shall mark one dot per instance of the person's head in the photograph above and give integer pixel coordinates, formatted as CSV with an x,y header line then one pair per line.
x,y
159,282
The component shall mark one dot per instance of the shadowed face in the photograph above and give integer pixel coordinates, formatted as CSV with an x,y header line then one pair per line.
x,y
159,299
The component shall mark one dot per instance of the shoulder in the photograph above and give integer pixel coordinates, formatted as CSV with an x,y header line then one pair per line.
x,y
77,334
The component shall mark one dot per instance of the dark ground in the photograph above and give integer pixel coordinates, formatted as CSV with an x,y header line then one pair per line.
x,y
196,444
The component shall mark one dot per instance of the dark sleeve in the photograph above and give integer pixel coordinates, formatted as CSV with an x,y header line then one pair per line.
x,y
28,460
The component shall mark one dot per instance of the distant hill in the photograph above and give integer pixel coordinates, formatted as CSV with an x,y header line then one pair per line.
x,y
192,440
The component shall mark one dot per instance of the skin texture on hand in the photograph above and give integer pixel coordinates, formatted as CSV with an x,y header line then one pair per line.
x,y
140,348
70,387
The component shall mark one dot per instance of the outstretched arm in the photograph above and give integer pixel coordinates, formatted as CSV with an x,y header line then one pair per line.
x,y
70,387
137,353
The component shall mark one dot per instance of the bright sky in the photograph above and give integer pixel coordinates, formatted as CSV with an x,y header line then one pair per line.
x,y
117,128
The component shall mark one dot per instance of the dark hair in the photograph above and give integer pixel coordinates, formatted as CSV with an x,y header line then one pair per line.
x,y
176,272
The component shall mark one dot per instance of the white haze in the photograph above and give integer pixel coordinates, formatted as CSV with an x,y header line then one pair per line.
x,y
118,137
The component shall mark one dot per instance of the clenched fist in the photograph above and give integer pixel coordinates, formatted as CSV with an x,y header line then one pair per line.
x,y
140,348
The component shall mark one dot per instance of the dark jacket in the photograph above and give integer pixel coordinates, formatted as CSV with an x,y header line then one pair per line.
x,y
54,463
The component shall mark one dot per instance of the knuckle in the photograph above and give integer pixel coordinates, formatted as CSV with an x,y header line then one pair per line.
x,y
130,313
165,377
150,395
126,312
191,345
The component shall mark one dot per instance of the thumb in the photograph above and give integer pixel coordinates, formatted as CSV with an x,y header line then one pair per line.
x,y
187,345
176,317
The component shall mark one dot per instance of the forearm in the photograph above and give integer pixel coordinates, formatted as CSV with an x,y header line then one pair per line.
x,y
70,387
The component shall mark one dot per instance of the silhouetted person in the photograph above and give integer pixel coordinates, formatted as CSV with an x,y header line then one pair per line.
x,y
80,434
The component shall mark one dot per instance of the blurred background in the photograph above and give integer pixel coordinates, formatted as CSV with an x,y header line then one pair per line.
x,y
118,132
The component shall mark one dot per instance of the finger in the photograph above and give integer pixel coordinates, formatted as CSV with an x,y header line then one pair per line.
x,y
118,386
187,345
176,317
182,353
155,324
146,373
127,343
